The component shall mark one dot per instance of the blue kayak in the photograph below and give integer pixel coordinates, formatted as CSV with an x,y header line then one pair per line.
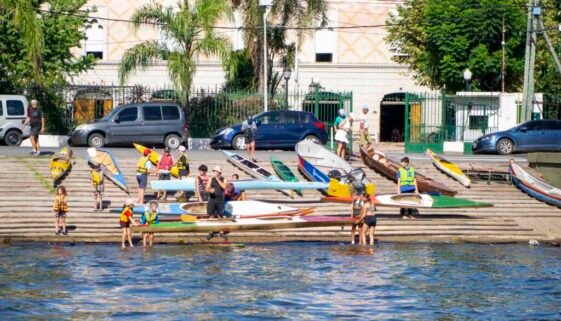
x,y
251,184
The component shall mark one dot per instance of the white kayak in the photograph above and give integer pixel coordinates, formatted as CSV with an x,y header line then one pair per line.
x,y
251,184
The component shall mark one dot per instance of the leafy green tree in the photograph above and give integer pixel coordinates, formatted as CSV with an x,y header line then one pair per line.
x,y
439,39
291,13
239,71
36,43
190,29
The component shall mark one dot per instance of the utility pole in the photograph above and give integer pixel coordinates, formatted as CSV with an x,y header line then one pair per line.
x,y
534,11
266,4
503,62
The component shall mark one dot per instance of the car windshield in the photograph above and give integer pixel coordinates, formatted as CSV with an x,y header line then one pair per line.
x,y
110,115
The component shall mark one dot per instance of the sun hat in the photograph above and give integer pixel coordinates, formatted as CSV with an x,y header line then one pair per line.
x,y
364,107
129,202
153,201
217,169
147,152
182,148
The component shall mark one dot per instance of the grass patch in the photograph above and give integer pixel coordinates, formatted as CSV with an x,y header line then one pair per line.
x,y
47,184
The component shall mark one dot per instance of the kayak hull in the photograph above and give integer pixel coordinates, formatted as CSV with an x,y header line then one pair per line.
x,y
534,187
60,164
251,224
249,167
415,201
104,157
155,158
449,168
253,184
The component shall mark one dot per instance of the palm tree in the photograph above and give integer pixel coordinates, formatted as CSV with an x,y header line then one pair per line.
x,y
292,13
191,30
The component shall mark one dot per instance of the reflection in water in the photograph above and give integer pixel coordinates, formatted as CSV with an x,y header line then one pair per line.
x,y
286,281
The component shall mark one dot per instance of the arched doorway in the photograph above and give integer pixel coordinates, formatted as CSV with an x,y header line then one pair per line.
x,y
392,117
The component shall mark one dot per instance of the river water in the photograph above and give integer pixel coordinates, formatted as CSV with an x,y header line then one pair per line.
x,y
297,281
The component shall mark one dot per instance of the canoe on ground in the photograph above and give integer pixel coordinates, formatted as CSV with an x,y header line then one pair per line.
x,y
378,161
111,170
248,209
249,167
534,187
155,158
415,201
245,224
449,168
188,184
60,164
319,164
284,172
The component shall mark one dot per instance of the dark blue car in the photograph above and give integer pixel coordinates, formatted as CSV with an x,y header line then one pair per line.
x,y
531,136
275,129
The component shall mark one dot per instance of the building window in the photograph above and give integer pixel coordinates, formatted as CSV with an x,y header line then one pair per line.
x,y
95,54
95,31
325,43
478,122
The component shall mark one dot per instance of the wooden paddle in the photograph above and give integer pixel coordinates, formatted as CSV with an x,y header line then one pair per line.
x,y
185,218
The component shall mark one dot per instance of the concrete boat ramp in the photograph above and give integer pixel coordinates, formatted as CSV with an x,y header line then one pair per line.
x,y
27,196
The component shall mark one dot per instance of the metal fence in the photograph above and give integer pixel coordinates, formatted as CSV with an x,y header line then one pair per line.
x,y
207,109
552,107
432,118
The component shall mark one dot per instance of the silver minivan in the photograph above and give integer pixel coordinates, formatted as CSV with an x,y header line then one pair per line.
x,y
146,123
12,114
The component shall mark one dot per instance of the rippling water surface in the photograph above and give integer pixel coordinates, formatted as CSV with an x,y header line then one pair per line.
x,y
299,281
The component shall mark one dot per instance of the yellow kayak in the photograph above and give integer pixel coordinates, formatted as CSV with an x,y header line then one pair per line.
x,y
155,158
60,164
449,168
337,189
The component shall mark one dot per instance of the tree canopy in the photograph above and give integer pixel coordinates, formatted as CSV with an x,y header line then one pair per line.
x,y
439,39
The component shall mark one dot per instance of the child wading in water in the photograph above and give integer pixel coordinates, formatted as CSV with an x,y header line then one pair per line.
x,y
150,217
125,222
97,185
60,208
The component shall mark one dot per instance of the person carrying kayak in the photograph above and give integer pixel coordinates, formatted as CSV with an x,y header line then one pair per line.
x,y
164,166
149,217
125,221
143,168
97,186
406,183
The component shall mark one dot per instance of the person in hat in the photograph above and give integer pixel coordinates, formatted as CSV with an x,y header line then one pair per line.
x,y
365,139
143,168
216,187
150,217
164,166
182,167
125,221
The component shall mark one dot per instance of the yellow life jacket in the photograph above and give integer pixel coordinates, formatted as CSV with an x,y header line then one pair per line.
x,y
96,177
150,217
61,204
124,218
407,176
182,164
141,166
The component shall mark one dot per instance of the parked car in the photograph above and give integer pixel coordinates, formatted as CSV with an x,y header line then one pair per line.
x,y
275,129
145,123
531,136
12,115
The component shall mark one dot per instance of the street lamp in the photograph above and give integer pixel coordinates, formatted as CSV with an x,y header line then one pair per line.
x,y
467,79
266,4
286,75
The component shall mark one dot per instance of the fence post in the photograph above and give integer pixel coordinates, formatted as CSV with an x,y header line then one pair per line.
x,y
406,120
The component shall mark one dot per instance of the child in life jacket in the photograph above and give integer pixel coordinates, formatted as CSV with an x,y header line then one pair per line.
x,y
164,166
60,208
182,167
150,217
98,187
125,222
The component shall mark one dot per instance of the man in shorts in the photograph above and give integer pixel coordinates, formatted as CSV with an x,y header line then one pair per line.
x,y
249,127
365,139
35,119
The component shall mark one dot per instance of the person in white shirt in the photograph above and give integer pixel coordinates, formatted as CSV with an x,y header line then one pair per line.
x,y
365,139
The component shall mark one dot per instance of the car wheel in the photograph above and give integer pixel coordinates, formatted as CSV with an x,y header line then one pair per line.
x,y
505,146
172,141
96,140
238,142
13,138
312,138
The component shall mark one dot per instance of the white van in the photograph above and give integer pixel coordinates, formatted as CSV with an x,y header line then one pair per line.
x,y
12,114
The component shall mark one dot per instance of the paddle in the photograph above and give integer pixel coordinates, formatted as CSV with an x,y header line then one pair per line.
x,y
185,218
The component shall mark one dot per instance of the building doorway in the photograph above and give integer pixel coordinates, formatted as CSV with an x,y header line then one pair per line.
x,y
392,118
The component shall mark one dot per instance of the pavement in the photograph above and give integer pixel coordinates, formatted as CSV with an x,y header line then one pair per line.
x,y
201,155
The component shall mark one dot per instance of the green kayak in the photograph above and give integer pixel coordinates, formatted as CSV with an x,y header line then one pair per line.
x,y
284,172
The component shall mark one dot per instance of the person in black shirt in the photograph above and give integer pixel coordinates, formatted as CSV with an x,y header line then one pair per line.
x,y
36,120
216,187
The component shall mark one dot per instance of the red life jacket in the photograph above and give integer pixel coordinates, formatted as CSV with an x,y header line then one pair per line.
x,y
165,162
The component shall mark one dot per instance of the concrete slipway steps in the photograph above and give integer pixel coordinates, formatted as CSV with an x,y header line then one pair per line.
x,y
25,209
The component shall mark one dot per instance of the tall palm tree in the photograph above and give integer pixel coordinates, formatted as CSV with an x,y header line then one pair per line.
x,y
191,31
292,13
